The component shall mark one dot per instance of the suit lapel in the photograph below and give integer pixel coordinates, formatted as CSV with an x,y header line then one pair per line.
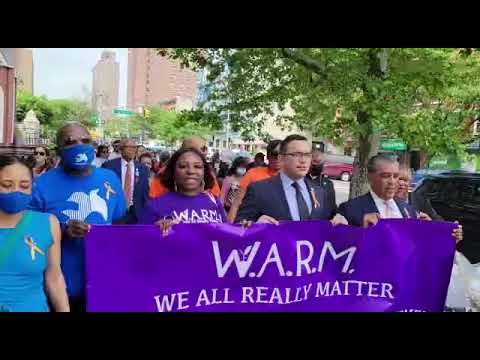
x,y
370,206
278,186
118,169
404,209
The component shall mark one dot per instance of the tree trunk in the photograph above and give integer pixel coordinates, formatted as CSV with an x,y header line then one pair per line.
x,y
424,159
369,141
368,146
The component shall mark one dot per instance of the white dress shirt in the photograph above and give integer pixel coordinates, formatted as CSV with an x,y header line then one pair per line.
x,y
291,195
382,207
132,178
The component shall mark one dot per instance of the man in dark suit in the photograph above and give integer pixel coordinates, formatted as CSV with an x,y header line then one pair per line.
x,y
289,196
318,179
134,178
380,202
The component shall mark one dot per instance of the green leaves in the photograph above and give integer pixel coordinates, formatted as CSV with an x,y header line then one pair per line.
x,y
418,94
52,114
165,126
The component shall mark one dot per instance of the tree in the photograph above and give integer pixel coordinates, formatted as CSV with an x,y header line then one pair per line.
x,y
40,104
53,114
72,110
171,127
420,95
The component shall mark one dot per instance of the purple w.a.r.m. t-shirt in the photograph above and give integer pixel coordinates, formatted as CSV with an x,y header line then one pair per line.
x,y
202,208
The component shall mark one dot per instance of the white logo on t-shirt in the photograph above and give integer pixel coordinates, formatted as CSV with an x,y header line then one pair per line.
x,y
87,204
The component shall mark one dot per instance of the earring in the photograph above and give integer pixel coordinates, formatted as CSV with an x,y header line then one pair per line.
x,y
203,184
175,187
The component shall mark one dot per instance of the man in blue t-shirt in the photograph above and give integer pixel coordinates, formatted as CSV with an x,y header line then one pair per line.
x,y
80,195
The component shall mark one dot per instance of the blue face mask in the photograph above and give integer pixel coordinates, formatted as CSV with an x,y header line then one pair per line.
x,y
78,157
14,202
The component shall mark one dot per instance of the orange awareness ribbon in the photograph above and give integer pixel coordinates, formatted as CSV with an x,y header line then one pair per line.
x,y
316,204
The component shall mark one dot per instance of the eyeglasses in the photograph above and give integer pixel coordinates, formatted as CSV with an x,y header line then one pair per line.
x,y
273,155
299,155
39,153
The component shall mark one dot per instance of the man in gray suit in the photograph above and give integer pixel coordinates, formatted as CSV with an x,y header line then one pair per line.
x,y
289,196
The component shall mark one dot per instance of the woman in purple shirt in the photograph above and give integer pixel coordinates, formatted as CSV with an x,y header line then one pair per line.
x,y
189,201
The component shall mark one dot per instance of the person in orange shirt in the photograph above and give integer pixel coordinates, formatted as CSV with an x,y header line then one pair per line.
x,y
157,188
257,174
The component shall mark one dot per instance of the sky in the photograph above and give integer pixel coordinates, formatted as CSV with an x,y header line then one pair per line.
x,y
62,73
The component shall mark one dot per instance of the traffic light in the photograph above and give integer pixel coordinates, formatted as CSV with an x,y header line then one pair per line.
x,y
146,112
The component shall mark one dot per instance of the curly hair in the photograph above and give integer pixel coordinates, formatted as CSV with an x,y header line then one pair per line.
x,y
168,177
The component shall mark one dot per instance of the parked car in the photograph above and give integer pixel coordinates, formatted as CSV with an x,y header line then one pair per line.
x,y
340,171
455,195
421,173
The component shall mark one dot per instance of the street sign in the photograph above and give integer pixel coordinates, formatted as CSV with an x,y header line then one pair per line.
x,y
393,145
123,112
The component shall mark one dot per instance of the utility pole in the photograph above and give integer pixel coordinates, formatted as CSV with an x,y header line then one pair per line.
x,y
100,117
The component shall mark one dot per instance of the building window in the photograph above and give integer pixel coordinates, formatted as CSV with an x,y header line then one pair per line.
x,y
218,143
224,144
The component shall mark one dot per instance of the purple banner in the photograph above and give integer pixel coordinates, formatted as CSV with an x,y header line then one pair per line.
x,y
397,265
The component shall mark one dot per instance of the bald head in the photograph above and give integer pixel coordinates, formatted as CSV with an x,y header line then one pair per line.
x,y
196,142
72,134
127,142
128,149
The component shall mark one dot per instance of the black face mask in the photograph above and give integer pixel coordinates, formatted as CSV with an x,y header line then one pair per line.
x,y
316,170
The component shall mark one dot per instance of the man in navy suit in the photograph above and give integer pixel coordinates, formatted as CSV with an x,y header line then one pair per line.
x,y
289,196
134,178
380,202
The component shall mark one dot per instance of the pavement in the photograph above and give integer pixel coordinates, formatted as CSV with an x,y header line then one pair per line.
x,y
342,190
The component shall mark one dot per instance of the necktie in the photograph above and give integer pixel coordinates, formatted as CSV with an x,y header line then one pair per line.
x,y
303,211
127,188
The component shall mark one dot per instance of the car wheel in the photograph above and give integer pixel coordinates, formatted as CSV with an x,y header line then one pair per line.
x,y
345,176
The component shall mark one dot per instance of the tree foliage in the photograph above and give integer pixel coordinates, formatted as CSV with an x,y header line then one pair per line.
x,y
421,95
40,104
52,114
161,125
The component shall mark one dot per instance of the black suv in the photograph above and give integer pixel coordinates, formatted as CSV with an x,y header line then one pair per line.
x,y
456,196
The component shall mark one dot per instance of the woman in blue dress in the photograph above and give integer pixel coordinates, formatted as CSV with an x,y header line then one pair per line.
x,y
29,247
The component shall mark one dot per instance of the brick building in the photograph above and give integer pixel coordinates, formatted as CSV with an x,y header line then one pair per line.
x,y
7,101
156,80
106,77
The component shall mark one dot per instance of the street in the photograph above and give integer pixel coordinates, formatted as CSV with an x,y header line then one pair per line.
x,y
342,189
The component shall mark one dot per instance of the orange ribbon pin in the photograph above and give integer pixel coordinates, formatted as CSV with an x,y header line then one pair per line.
x,y
314,197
